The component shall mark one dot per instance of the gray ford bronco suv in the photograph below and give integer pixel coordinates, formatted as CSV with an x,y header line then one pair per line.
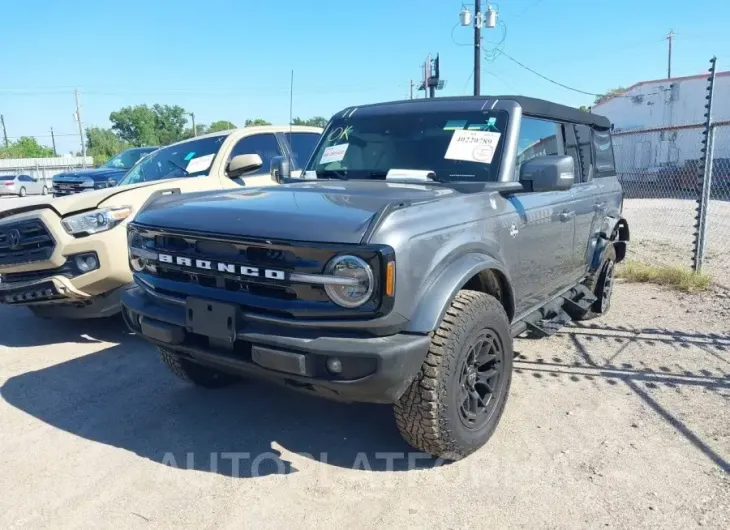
x,y
422,236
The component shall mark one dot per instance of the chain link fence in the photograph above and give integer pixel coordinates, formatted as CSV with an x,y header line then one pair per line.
x,y
660,170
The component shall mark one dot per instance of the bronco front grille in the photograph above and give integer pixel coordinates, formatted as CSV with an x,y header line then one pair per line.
x,y
25,242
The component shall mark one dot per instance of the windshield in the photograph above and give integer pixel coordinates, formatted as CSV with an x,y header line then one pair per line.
x,y
126,159
456,146
189,159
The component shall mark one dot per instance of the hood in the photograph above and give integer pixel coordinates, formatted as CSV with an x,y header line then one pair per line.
x,y
316,212
80,202
98,174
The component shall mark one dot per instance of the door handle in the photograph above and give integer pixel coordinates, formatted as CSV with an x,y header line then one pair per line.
x,y
566,215
600,205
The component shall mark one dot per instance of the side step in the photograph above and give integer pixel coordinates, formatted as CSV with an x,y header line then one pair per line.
x,y
552,317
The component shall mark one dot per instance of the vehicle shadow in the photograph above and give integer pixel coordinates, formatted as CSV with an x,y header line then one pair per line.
x,y
640,375
125,397
22,329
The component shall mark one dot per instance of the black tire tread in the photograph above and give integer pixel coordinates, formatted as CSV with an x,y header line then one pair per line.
x,y
419,412
194,373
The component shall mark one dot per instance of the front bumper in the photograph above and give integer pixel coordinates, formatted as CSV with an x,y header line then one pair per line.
x,y
373,369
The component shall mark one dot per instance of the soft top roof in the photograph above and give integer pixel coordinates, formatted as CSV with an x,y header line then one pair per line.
x,y
535,107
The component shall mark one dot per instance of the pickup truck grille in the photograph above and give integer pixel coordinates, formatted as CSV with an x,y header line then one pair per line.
x,y
69,188
25,242
275,295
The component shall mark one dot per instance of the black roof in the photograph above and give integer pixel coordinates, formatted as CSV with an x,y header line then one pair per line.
x,y
538,108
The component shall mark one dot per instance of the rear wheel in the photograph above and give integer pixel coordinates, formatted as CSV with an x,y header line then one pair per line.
x,y
22,192
453,406
45,191
196,374
601,285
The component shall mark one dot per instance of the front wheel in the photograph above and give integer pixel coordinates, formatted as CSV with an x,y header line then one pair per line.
x,y
453,406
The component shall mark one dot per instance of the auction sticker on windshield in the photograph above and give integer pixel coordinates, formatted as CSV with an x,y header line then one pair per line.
x,y
334,153
473,146
200,164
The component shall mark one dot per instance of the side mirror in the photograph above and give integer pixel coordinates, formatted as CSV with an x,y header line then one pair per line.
x,y
548,173
242,164
280,168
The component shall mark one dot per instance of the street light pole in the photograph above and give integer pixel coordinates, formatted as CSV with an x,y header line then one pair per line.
x,y
477,47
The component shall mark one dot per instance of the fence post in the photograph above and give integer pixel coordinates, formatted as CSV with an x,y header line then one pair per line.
x,y
705,175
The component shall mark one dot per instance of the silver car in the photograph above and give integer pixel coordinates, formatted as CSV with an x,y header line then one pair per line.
x,y
22,185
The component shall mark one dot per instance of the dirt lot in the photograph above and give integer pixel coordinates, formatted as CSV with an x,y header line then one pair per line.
x,y
622,423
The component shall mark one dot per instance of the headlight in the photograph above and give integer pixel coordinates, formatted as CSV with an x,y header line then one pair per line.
x,y
96,221
350,296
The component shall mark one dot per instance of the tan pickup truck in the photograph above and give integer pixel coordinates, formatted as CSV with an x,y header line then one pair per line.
x,y
67,257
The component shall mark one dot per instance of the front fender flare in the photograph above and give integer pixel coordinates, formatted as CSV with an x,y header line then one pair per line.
x,y
439,293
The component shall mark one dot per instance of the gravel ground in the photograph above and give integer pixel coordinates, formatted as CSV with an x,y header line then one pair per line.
x,y
662,232
622,422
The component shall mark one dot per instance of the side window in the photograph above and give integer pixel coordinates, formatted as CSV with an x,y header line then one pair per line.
x,y
25,178
537,138
585,151
302,146
571,149
603,149
265,145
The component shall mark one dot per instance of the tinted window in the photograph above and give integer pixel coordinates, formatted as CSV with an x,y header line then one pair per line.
x,y
25,178
188,159
126,159
603,148
537,138
458,146
265,145
7,177
302,145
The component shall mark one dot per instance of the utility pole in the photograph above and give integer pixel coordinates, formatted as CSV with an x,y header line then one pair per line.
x,y
81,127
670,36
53,139
477,47
411,88
5,133
195,129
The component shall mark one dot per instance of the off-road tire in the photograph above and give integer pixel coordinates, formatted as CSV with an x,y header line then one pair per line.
x,y
22,192
596,282
195,374
428,415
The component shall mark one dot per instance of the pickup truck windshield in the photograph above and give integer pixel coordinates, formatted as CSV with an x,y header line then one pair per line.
x,y
457,146
189,159
126,159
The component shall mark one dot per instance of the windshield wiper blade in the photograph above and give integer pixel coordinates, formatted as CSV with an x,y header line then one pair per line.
x,y
179,166
326,173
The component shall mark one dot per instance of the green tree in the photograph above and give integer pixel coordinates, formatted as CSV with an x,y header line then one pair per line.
x,y
26,147
143,125
200,128
256,122
103,144
584,108
222,125
316,121
608,95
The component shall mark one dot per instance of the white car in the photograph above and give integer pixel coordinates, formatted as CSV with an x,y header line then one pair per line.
x,y
22,185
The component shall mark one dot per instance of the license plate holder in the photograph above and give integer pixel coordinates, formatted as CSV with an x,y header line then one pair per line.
x,y
215,320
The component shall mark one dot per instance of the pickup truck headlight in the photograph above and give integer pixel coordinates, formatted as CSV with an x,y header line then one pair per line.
x,y
95,221
347,266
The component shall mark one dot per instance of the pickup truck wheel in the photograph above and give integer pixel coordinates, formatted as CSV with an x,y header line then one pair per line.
x,y
196,374
456,401
601,285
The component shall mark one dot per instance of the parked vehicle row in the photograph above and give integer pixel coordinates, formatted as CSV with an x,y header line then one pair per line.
x,y
392,262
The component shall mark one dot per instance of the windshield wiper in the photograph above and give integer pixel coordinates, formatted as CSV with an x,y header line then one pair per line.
x,y
179,167
328,173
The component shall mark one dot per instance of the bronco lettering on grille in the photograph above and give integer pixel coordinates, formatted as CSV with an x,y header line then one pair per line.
x,y
231,268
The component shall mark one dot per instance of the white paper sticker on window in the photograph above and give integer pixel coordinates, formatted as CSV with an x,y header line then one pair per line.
x,y
473,146
200,164
334,153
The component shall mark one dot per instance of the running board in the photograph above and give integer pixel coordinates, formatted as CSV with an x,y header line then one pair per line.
x,y
551,317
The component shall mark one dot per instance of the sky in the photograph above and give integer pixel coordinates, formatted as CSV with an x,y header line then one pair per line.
x,y
233,59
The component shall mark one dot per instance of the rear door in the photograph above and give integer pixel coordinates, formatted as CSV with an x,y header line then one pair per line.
x,y
589,209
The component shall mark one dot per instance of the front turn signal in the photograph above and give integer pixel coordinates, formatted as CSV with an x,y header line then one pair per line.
x,y
390,278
